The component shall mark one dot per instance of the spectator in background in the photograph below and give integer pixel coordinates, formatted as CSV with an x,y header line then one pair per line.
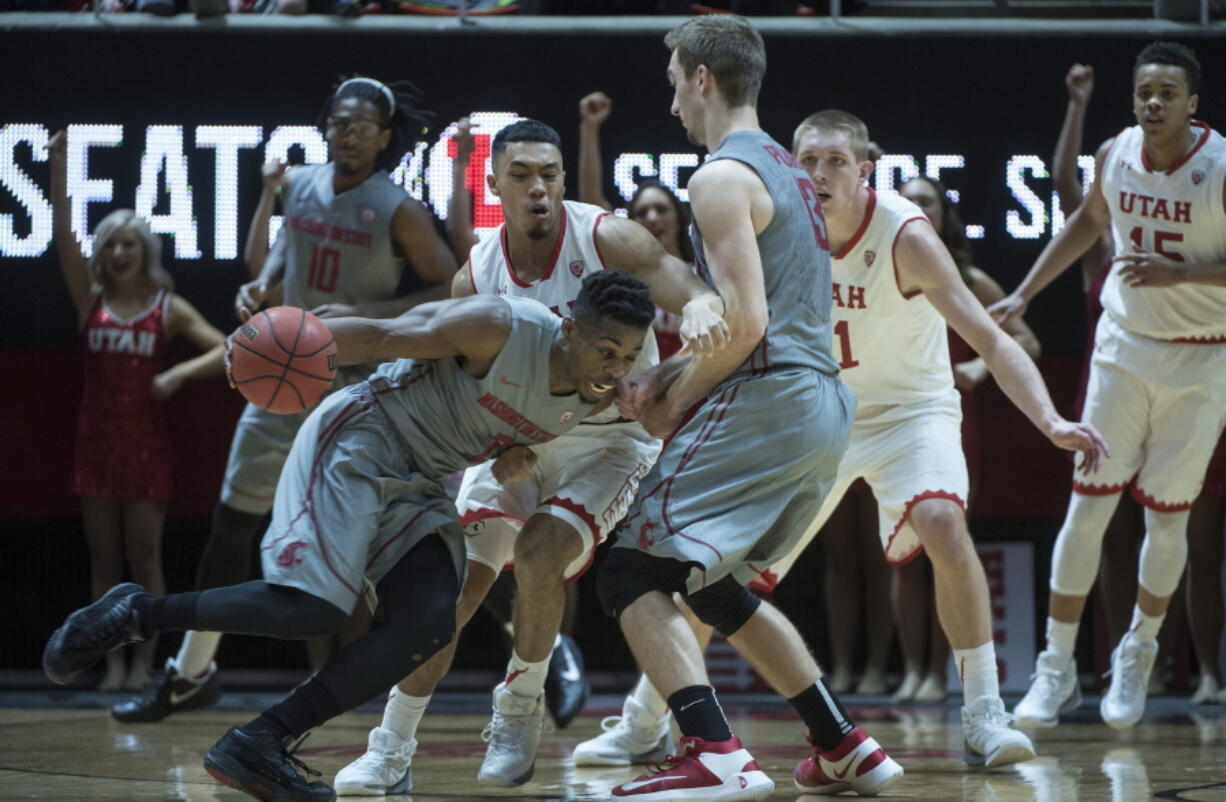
x,y
123,470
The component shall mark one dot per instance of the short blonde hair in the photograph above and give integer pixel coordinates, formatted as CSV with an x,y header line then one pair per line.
x,y
730,47
835,120
151,250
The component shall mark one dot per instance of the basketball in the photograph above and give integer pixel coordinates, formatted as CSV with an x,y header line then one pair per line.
x,y
283,360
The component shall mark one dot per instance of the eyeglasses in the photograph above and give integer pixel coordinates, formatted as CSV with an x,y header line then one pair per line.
x,y
358,126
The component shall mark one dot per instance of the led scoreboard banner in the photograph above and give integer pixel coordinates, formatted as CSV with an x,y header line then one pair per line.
x,y
164,159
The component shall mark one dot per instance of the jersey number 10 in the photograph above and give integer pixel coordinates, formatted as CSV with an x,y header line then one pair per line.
x,y
325,267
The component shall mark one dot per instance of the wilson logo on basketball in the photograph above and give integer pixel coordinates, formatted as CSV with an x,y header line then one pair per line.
x,y
289,555
576,268
249,331
331,361
869,258
1198,176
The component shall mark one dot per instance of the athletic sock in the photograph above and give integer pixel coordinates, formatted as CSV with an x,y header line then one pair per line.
x,y
154,614
698,713
1061,637
195,658
823,713
524,678
403,713
978,672
1145,627
307,707
646,695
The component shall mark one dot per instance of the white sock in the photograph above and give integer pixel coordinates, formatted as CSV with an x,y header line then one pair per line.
x,y
977,668
403,713
524,678
1061,637
1145,627
646,695
195,657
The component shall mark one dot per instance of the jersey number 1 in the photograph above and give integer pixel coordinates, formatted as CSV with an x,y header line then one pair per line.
x,y
325,267
843,333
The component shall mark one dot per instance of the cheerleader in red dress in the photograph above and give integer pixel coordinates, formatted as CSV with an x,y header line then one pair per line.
x,y
925,649
123,469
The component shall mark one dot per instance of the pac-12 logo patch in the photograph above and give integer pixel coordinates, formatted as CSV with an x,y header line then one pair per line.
x,y
289,555
368,215
869,258
576,268
1198,176
565,417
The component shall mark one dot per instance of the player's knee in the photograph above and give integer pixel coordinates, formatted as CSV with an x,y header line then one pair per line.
x,y
725,605
545,547
940,525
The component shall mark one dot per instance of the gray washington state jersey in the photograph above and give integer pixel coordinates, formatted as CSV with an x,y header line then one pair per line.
x,y
749,467
361,486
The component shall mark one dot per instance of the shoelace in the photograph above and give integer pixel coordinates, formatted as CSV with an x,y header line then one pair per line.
x,y
1129,677
671,762
610,722
295,762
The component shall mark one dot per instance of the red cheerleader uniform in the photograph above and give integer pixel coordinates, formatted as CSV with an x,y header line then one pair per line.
x,y
123,447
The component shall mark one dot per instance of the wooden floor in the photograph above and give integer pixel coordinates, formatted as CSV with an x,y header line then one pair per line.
x,y
53,750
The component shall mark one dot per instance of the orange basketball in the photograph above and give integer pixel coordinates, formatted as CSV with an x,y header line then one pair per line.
x,y
283,360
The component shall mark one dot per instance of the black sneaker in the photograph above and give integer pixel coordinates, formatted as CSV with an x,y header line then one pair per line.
x,y
169,692
566,685
260,765
91,632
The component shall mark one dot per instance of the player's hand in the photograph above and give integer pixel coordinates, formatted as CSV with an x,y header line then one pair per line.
x,y
251,296
272,172
1144,269
635,395
57,146
1011,307
1080,83
595,108
1080,437
166,384
970,374
334,310
465,142
514,464
703,329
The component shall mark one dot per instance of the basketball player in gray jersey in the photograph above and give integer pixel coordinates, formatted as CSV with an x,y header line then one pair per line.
x,y
348,231
758,429
360,502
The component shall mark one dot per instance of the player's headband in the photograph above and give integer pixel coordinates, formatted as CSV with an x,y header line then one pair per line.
x,y
387,93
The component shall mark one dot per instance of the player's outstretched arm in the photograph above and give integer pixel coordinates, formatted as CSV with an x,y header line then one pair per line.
x,y
1065,176
628,246
594,109
460,207
274,177
187,321
262,289
1081,231
925,264
973,372
473,329
72,260
724,196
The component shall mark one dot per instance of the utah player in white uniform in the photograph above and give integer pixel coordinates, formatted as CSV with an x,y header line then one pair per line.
x,y
347,234
543,510
1158,376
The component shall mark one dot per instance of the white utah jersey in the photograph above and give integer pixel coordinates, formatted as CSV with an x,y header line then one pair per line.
x,y
892,347
575,256
1176,213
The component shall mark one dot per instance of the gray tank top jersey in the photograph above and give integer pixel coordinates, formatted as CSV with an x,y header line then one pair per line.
x,y
449,419
795,259
340,246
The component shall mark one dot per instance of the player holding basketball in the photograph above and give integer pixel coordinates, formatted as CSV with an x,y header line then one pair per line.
x,y
1157,387
576,488
359,501
348,231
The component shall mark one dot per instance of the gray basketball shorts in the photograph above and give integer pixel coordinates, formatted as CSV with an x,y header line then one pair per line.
x,y
740,480
349,505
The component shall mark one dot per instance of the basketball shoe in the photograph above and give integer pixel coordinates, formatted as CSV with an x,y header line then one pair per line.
x,y
1053,690
713,771
91,632
857,764
1124,702
566,685
512,735
261,765
385,767
634,737
990,741
170,692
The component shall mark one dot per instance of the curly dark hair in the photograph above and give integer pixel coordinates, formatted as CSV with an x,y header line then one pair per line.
x,y
614,295
683,214
407,122
524,131
1174,54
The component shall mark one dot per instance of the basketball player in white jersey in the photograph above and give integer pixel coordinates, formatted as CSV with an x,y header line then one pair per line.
x,y
348,232
542,510
1158,376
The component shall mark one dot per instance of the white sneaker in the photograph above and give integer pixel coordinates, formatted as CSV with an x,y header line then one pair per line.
x,y
1053,690
932,689
990,741
634,737
1131,663
910,684
512,736
385,767
1207,692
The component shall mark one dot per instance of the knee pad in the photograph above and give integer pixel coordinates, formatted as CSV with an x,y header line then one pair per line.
x,y
1164,552
725,605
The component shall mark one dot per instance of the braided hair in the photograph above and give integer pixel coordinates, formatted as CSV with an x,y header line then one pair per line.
x,y
397,103
614,295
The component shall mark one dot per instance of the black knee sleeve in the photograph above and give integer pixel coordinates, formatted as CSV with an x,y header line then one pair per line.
x,y
626,574
725,605
227,555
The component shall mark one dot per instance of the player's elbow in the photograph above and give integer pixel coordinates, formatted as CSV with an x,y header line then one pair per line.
x,y
747,327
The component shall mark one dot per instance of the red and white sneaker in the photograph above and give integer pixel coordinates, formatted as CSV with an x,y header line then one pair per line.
x,y
715,771
858,764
